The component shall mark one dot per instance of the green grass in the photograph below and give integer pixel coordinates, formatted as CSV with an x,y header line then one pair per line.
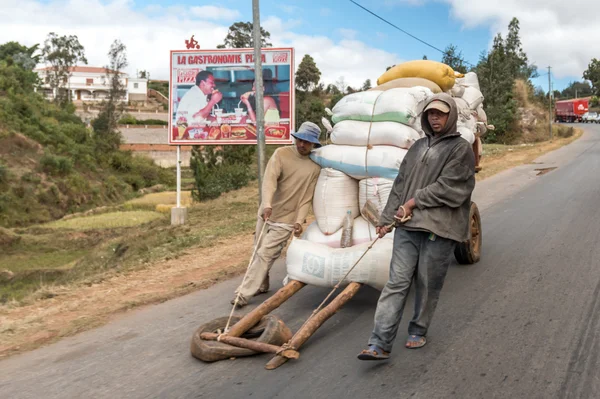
x,y
106,220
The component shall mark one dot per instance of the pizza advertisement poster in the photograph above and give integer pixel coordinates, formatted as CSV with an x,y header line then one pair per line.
x,y
212,96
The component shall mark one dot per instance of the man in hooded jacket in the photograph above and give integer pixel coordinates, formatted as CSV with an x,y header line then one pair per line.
x,y
429,203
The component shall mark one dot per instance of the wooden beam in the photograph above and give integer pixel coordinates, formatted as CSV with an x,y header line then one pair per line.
x,y
315,322
249,344
252,318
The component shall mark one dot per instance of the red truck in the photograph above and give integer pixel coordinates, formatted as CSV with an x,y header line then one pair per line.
x,y
571,110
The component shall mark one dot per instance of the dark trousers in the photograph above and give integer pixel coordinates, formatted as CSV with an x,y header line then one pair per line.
x,y
417,256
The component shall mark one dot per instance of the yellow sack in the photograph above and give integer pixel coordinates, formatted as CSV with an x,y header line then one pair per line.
x,y
440,74
408,82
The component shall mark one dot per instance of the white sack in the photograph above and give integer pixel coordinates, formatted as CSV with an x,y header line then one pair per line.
x,y
362,232
467,134
335,194
481,115
457,91
323,266
377,133
376,189
381,160
403,105
470,80
473,97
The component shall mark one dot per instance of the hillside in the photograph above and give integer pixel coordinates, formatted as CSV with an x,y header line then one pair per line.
x,y
51,164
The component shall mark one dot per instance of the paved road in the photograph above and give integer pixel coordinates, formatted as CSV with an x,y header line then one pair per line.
x,y
523,323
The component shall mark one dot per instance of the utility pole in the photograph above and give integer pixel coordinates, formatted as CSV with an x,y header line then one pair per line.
x,y
550,101
258,84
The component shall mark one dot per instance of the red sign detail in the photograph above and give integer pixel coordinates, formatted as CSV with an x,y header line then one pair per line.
x,y
192,44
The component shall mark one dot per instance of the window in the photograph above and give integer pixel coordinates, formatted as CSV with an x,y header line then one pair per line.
x,y
135,85
47,79
89,81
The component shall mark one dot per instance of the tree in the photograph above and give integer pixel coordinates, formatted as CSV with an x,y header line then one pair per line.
x,y
425,57
240,36
341,85
307,75
144,74
592,73
516,57
25,57
454,58
577,89
106,125
366,85
62,53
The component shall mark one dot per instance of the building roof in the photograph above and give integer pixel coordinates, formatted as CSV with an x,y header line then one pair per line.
x,y
82,69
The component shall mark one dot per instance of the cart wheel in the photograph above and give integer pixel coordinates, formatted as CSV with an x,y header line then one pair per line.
x,y
469,252
270,330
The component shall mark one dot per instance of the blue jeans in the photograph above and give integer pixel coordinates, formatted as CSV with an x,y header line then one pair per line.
x,y
420,256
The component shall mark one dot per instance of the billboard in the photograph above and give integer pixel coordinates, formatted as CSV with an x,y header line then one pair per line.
x,y
212,96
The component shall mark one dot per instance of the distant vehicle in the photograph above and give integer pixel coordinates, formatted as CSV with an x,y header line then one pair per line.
x,y
590,117
571,110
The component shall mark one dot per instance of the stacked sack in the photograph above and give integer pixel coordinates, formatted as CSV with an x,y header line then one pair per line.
x,y
372,132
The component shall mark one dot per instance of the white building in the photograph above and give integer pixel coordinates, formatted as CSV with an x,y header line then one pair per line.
x,y
91,84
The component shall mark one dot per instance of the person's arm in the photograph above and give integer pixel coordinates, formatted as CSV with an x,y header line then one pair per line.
x,y
307,200
215,98
246,101
269,185
394,200
455,183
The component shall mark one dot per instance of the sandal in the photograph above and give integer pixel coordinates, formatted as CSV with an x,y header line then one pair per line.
x,y
419,340
373,353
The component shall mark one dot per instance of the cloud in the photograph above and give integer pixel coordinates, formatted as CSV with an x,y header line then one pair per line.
x,y
214,13
353,59
150,33
553,32
348,33
325,12
289,9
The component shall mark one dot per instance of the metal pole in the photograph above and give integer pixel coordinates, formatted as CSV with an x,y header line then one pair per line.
x,y
178,176
550,102
258,81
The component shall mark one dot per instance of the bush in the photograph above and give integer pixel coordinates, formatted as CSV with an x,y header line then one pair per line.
x,y
3,174
217,172
565,131
56,164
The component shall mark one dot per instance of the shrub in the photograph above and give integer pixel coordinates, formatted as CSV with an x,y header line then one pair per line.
x,y
56,164
217,172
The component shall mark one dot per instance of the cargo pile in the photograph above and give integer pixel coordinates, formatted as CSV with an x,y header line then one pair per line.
x,y
372,133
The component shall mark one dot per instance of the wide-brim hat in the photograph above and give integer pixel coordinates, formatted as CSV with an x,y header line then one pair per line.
x,y
310,132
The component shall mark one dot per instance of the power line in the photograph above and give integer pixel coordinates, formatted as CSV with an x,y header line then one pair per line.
x,y
409,34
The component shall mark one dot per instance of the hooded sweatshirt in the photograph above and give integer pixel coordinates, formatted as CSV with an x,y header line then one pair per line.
x,y
439,173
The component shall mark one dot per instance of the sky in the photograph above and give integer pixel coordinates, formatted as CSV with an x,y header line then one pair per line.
x,y
346,42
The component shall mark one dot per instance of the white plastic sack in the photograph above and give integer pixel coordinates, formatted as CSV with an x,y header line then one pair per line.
x,y
335,194
362,232
376,189
361,162
470,80
401,105
481,115
467,134
323,266
377,133
473,97
457,91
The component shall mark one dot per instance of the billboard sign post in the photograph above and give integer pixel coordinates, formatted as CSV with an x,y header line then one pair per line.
x,y
212,96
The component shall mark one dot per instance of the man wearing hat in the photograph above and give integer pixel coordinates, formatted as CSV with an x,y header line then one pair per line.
x,y
429,203
287,192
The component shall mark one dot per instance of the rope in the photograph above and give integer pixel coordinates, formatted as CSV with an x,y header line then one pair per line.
x,y
369,135
237,295
318,309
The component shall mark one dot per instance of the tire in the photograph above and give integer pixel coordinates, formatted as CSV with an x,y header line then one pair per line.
x,y
270,330
469,252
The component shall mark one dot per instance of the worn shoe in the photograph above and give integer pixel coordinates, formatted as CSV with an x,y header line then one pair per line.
x,y
241,301
264,287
